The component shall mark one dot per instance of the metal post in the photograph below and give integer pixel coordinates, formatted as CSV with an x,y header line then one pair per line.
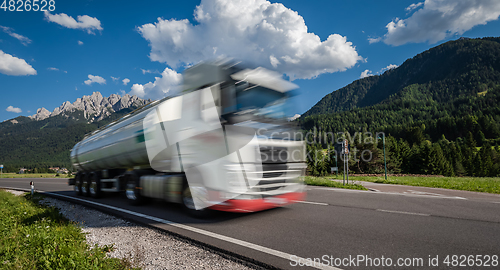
x,y
343,171
385,163
347,165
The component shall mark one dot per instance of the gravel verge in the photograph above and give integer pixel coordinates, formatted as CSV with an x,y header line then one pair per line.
x,y
145,247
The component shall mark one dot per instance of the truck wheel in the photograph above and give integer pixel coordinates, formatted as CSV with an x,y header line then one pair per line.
x,y
132,190
188,203
78,184
85,185
94,185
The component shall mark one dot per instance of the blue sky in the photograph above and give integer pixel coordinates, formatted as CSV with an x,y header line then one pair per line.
x,y
47,58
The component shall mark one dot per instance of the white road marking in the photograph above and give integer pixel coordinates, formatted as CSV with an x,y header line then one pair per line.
x,y
318,203
393,193
242,243
403,212
344,190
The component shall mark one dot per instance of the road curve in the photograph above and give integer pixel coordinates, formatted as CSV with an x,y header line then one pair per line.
x,y
331,224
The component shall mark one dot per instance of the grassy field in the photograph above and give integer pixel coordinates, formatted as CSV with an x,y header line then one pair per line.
x,y
479,184
327,182
35,175
39,237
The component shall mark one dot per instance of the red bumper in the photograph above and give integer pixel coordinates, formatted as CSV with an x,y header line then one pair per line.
x,y
243,206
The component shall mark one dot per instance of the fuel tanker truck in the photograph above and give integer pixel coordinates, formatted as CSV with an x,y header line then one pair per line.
x,y
222,143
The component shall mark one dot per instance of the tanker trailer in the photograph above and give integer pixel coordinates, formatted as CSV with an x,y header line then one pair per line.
x,y
223,143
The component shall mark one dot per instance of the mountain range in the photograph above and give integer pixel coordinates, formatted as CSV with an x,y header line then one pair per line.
x,y
94,107
439,111
463,67
44,139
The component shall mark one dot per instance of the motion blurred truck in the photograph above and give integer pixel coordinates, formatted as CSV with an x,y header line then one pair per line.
x,y
222,143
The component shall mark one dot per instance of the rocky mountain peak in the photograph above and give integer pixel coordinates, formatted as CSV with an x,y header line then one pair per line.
x,y
95,107
41,114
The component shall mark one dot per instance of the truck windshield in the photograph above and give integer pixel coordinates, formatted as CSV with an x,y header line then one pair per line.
x,y
260,101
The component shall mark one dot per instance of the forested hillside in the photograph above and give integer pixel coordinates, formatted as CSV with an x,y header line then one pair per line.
x,y
439,110
457,68
42,144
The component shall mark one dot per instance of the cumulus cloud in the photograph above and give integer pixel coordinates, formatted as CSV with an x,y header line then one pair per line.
x,y
390,66
53,69
80,42
268,34
14,109
125,81
167,84
114,78
439,19
11,65
24,40
366,73
95,79
84,22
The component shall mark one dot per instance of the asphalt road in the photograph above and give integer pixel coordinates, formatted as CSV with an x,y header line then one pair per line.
x,y
407,223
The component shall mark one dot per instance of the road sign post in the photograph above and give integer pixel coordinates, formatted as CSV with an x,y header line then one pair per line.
x,y
343,172
346,159
1,171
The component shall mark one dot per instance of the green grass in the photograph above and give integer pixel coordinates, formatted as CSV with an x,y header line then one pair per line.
x,y
327,182
479,184
34,175
39,237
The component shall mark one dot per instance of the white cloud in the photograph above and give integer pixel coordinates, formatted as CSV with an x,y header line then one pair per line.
x,y
390,66
84,22
14,109
144,71
114,78
366,73
53,68
439,19
167,84
24,40
80,42
270,35
125,81
95,79
414,6
374,40
11,65
293,117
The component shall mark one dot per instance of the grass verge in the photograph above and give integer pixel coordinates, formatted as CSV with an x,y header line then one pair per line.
x,y
34,175
479,184
327,182
33,236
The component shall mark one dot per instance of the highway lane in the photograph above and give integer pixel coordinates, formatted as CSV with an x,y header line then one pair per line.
x,y
335,222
